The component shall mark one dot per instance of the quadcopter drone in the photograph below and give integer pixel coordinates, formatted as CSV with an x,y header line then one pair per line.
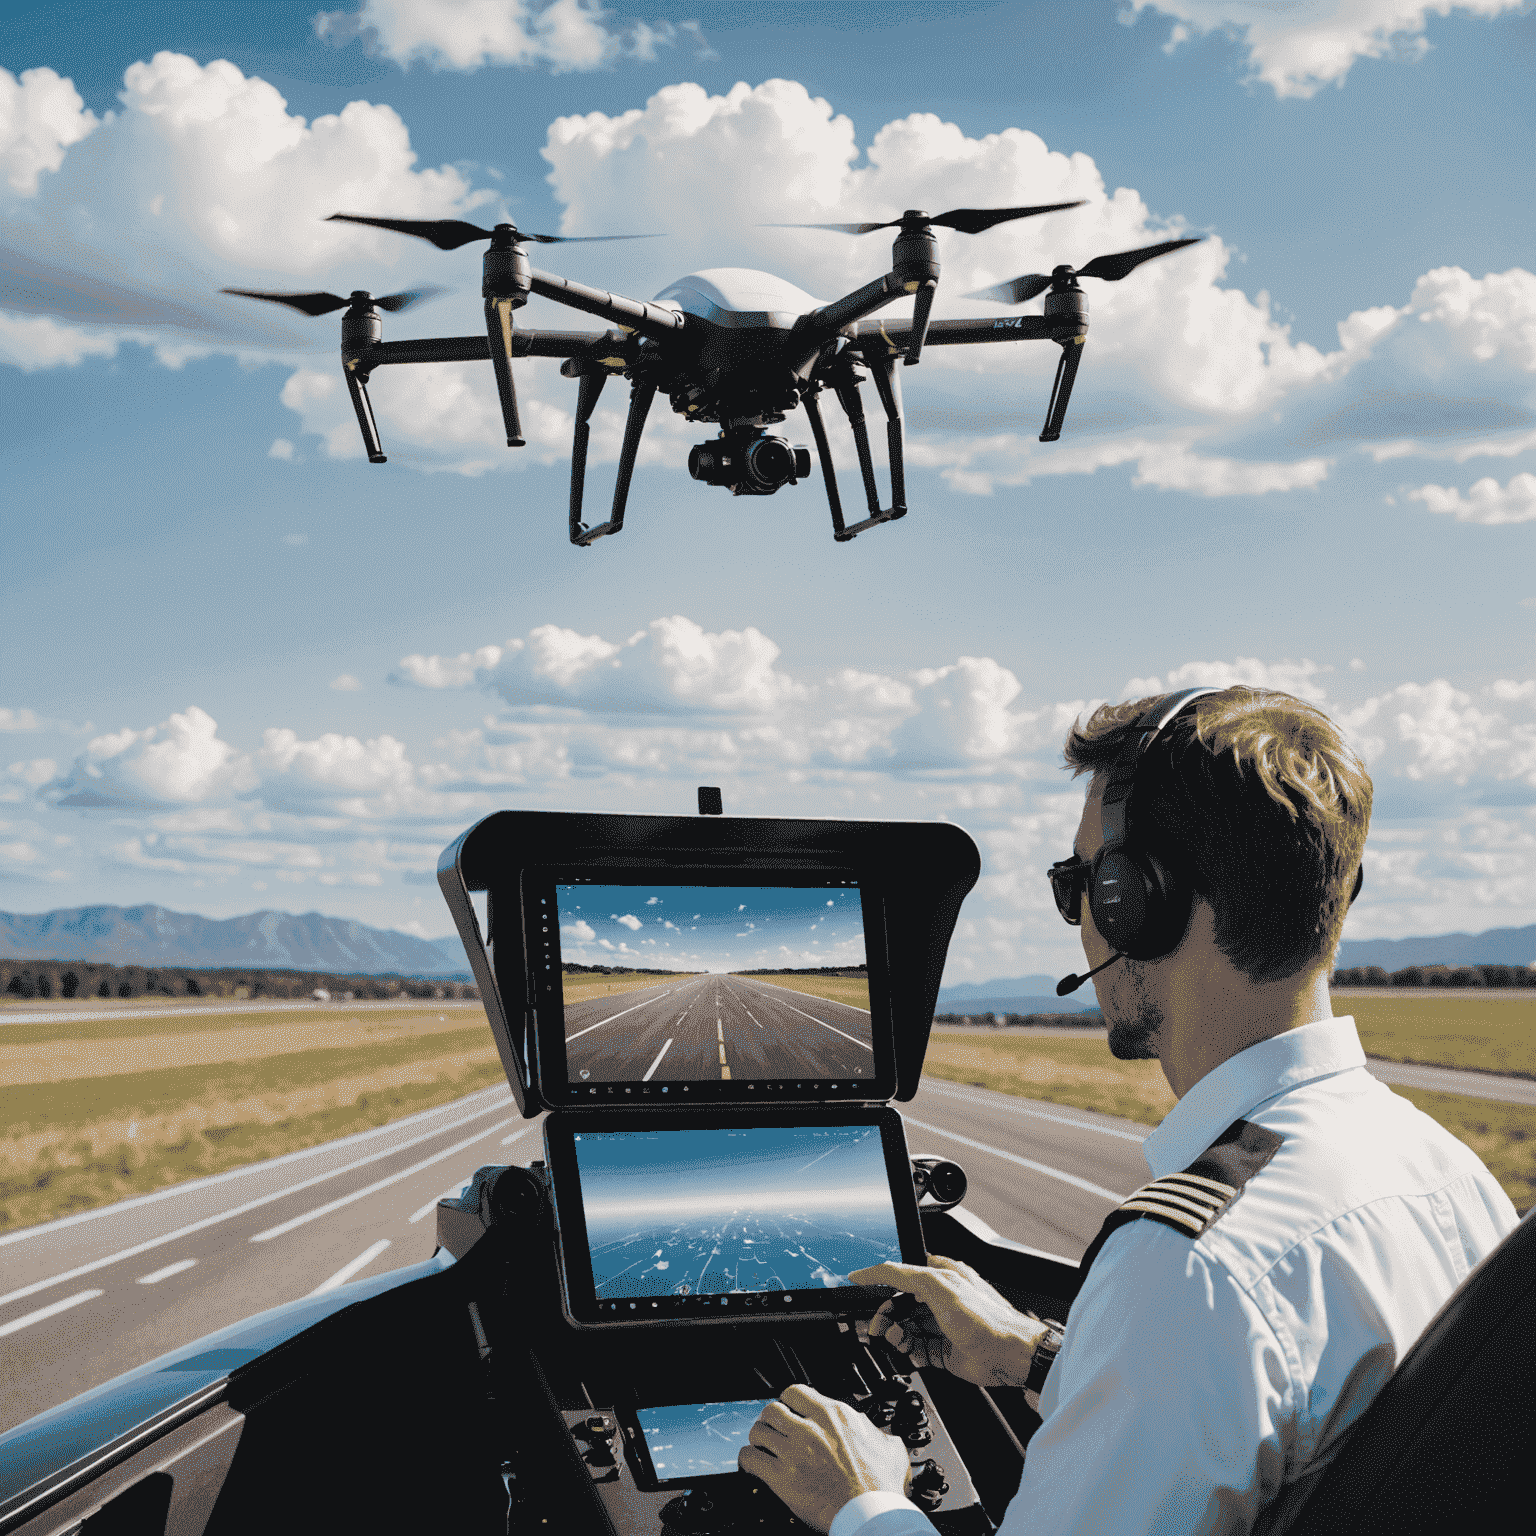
x,y
731,346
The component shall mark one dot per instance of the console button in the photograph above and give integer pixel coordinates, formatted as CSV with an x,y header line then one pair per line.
x,y
929,1485
918,1437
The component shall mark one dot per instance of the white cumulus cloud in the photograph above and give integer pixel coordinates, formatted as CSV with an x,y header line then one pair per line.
x,y
1486,502
1298,48
41,115
466,34
629,920
179,762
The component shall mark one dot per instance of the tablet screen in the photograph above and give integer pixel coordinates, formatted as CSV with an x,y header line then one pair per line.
x,y
695,1440
657,991
729,1220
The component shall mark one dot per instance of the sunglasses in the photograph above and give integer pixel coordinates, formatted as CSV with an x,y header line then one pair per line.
x,y
1069,878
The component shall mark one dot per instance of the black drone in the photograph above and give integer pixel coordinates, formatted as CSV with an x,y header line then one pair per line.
x,y
731,346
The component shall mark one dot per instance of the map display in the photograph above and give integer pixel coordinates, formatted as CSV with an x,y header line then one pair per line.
x,y
720,1211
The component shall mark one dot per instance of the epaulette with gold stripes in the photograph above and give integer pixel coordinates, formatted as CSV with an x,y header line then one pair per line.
x,y
1191,1201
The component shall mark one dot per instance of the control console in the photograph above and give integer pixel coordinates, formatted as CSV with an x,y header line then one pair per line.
x,y
662,1468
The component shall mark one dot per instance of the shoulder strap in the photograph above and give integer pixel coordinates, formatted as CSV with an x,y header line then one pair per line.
x,y
1191,1201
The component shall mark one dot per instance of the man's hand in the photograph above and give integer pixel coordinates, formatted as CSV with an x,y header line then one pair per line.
x,y
817,1453
962,1324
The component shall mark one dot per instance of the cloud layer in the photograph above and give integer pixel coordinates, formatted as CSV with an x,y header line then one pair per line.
x,y
623,722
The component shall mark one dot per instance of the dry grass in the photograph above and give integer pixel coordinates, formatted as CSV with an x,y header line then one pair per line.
x,y
1083,1074
74,1142
837,989
580,989
106,1050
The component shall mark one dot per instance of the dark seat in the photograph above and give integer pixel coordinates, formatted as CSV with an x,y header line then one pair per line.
x,y
1447,1443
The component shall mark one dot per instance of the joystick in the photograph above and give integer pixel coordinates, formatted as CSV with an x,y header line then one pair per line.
x,y
928,1485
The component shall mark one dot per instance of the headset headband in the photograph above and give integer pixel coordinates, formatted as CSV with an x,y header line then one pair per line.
x,y
1122,775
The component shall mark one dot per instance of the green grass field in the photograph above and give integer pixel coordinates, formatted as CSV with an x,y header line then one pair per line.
x,y
1491,1034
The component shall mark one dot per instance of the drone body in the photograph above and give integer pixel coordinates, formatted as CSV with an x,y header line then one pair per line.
x,y
730,346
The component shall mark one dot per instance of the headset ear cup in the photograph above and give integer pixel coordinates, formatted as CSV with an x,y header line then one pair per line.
x,y
1166,907
1117,897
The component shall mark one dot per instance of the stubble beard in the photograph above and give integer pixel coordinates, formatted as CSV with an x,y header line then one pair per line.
x,y
1134,1032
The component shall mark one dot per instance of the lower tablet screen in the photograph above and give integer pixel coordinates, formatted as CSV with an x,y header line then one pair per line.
x,y
714,1212
696,1440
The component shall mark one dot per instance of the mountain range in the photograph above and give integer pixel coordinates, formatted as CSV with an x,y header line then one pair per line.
x,y
151,935
1037,994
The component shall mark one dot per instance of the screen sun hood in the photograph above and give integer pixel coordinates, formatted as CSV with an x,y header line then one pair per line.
x,y
924,869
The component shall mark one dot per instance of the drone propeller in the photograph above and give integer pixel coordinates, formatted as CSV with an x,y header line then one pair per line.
x,y
1111,268
968,221
450,234
323,303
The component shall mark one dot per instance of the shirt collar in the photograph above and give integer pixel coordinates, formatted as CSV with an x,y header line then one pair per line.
x,y
1244,1081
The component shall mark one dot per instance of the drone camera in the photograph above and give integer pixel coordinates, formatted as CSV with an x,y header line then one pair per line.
x,y
752,463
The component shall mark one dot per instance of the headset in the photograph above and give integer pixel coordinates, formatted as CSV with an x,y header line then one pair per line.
x,y
1138,905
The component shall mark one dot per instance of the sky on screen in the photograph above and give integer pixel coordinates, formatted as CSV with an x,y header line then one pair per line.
x,y
627,1174
242,668
710,928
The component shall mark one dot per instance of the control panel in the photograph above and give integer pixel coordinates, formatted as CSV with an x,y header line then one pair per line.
x,y
642,1499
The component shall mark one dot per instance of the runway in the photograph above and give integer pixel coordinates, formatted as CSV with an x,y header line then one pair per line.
x,y
714,1027
88,1297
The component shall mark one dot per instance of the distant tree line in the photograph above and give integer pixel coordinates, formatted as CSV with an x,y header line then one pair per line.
x,y
619,970
861,971
1090,1018
74,978
1437,976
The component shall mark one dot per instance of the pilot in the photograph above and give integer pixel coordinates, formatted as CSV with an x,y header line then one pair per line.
x,y
1303,1224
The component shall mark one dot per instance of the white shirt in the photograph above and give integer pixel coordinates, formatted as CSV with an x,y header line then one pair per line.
x,y
1199,1376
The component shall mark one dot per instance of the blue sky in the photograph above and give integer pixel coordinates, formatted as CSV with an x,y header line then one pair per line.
x,y
243,668
710,928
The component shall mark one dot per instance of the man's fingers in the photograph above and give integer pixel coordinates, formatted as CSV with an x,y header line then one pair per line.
x,y
805,1401
886,1274
758,1462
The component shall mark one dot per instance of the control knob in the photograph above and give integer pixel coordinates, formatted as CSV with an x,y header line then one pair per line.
x,y
929,1485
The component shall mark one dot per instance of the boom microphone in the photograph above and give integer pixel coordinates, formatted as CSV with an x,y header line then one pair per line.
x,y
1072,983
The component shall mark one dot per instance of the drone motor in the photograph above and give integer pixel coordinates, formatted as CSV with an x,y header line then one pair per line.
x,y
751,462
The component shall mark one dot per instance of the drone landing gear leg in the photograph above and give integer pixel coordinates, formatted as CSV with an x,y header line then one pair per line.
x,y
888,383
1061,389
640,397
498,330
828,473
357,387
586,402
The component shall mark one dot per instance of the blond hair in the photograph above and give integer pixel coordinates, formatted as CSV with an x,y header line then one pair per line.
x,y
1257,800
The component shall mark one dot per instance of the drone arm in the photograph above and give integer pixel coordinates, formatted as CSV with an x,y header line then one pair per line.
x,y
888,386
871,336
653,320
477,349
847,387
821,325
357,387
640,398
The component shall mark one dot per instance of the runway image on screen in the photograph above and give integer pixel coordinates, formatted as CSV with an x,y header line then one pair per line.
x,y
716,1212
697,1439
708,1021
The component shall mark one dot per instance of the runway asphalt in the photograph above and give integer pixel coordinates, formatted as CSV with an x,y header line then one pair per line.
x,y
715,1027
88,1297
